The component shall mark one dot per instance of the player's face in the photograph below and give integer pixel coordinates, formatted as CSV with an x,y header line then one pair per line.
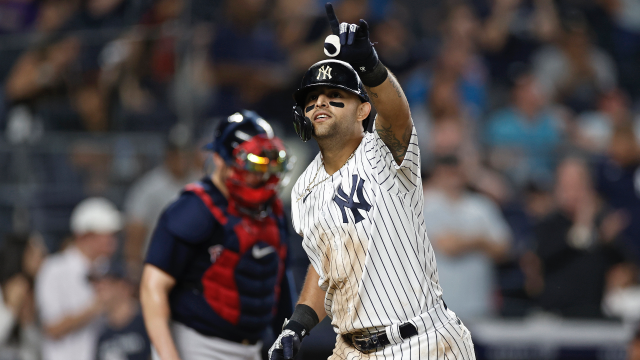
x,y
333,111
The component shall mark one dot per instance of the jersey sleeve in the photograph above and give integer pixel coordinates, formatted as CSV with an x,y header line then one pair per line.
x,y
183,226
407,174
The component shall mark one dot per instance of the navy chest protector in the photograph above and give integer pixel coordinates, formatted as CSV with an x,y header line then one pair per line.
x,y
242,285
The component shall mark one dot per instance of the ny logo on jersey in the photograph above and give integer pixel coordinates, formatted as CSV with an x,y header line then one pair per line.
x,y
347,201
324,71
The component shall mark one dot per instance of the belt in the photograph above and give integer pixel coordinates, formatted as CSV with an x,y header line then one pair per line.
x,y
375,341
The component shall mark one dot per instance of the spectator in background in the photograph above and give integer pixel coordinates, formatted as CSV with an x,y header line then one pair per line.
x,y
576,245
617,182
621,31
523,136
468,235
301,29
512,30
20,259
595,128
395,43
123,336
574,71
31,21
459,69
68,304
456,83
148,197
42,78
137,69
247,61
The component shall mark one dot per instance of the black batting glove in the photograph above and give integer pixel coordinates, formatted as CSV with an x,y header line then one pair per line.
x,y
355,46
288,343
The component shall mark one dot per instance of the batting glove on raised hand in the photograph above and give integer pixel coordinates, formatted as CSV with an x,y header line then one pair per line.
x,y
288,343
354,47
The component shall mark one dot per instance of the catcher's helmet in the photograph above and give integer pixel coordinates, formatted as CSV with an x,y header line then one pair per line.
x,y
334,73
236,129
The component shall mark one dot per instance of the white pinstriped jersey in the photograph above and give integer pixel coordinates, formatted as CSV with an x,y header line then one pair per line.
x,y
364,233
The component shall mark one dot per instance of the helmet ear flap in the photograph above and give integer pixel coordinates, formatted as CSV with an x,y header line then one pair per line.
x,y
302,124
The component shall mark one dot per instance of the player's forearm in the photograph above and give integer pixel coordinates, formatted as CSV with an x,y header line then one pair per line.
x,y
155,308
390,101
393,123
160,335
312,295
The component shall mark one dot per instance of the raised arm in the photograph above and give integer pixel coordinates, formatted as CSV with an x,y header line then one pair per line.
x,y
393,123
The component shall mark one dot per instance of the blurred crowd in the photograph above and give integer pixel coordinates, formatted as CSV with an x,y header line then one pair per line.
x,y
528,114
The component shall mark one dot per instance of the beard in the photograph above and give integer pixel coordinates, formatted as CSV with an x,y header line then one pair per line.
x,y
326,130
333,130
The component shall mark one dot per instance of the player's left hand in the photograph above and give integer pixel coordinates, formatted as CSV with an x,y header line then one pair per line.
x,y
288,343
354,46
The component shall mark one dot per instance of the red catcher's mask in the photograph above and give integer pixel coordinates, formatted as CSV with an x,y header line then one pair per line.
x,y
258,166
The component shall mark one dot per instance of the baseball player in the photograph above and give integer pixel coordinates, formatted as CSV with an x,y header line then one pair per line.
x,y
215,275
358,206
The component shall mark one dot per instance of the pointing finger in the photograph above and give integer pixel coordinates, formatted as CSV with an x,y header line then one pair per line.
x,y
333,19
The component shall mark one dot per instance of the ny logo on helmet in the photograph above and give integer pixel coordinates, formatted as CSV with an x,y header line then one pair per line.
x,y
324,71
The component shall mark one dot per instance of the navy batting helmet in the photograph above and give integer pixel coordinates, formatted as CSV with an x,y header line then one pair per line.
x,y
334,73
235,130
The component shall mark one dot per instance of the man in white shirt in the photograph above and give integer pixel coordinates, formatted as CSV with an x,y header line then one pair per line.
x,y
69,306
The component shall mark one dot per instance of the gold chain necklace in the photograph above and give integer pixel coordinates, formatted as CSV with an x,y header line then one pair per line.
x,y
309,187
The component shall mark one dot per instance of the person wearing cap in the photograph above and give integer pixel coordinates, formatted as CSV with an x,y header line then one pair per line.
x,y
123,335
215,276
69,305
358,206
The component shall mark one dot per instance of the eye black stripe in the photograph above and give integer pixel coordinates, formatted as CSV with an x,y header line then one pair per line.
x,y
336,104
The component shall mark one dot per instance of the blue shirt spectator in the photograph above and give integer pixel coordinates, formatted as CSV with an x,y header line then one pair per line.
x,y
522,137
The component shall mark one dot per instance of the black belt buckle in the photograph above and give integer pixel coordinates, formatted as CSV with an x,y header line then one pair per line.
x,y
368,343
378,340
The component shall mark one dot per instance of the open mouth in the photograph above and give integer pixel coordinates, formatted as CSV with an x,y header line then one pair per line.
x,y
321,117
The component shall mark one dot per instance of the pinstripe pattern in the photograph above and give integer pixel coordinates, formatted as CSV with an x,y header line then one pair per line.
x,y
451,341
381,270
